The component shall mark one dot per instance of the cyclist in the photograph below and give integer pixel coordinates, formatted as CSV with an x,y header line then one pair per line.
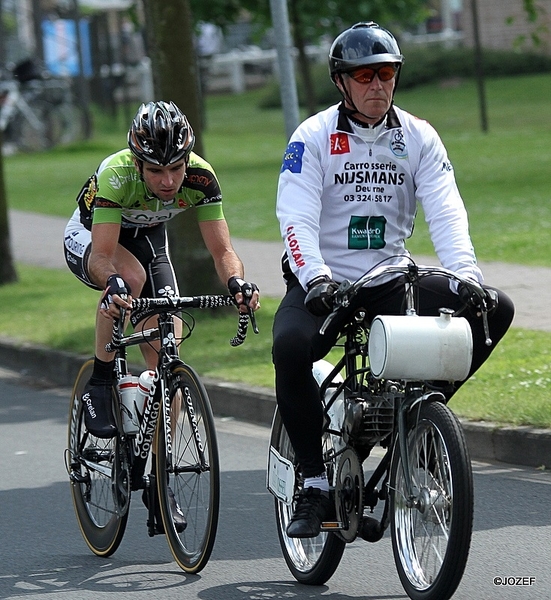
x,y
348,188
116,240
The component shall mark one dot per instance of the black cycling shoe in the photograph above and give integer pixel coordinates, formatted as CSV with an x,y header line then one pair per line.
x,y
178,517
98,412
313,507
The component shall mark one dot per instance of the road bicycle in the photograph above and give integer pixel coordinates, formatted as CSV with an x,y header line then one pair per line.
x,y
175,423
383,392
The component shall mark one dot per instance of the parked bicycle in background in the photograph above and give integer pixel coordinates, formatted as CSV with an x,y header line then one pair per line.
x,y
37,111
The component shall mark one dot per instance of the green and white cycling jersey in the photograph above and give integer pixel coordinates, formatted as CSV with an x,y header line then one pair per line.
x,y
115,193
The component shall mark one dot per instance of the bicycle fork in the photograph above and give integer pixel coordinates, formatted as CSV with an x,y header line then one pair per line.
x,y
404,411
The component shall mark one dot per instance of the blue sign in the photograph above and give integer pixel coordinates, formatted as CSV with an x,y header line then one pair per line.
x,y
60,47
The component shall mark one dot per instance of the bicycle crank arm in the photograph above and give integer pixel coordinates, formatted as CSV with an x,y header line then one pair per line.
x,y
150,488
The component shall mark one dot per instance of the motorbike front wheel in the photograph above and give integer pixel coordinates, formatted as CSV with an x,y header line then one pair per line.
x,y
431,521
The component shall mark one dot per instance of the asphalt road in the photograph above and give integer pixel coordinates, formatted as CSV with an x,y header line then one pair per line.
x,y
43,555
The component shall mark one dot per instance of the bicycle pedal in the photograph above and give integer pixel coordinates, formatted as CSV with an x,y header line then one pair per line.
x,y
331,525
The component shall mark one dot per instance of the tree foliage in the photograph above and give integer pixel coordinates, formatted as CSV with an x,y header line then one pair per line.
x,y
311,20
316,18
535,15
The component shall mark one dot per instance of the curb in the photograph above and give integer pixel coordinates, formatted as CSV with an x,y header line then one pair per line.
x,y
524,446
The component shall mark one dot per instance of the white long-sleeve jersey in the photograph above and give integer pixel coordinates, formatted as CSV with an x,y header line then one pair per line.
x,y
345,202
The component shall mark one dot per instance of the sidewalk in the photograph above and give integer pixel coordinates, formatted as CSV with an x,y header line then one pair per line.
x,y
38,240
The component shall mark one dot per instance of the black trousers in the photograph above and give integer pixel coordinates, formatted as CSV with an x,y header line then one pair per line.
x,y
297,344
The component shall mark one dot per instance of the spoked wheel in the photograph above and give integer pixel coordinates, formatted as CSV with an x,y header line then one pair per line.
x,y
431,528
312,561
98,472
190,462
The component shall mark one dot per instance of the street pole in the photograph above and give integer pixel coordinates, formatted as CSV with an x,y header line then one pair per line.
x,y
285,51
479,68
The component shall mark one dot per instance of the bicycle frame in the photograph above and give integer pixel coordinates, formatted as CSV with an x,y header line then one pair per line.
x,y
159,400
182,491
423,477
403,396
14,103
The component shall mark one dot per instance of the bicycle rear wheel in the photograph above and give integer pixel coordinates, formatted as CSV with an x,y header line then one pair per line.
x,y
431,533
191,467
98,475
312,561
65,124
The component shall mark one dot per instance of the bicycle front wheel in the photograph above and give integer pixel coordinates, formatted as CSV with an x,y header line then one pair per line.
x,y
431,527
312,561
191,468
98,472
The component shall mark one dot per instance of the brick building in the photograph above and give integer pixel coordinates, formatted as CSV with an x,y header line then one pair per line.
x,y
503,22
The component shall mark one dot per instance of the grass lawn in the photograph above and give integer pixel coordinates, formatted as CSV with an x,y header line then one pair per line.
x,y
513,386
503,176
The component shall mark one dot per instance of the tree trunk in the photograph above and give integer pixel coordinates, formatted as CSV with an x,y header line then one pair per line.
x,y
7,270
175,77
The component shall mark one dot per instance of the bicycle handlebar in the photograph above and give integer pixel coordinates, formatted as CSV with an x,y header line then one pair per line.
x,y
413,272
174,304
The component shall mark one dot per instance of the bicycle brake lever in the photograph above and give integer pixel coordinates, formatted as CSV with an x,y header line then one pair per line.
x,y
327,321
484,311
253,319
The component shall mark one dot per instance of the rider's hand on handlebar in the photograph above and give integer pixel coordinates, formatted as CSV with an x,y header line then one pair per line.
x,y
247,295
319,299
116,294
472,300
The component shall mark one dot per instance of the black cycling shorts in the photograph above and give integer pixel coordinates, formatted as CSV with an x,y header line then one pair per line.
x,y
148,244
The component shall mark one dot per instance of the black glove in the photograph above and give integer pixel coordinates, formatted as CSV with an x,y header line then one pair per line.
x,y
236,285
473,301
115,285
319,299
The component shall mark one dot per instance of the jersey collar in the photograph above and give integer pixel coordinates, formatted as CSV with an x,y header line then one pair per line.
x,y
343,122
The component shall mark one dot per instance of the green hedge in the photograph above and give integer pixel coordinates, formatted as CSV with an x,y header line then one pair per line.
x,y
427,64
431,64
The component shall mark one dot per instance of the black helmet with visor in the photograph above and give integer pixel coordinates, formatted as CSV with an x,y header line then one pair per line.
x,y
160,134
363,44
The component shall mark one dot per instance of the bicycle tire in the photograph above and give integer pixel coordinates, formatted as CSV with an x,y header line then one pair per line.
x,y
192,471
431,546
29,138
66,124
312,561
101,512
